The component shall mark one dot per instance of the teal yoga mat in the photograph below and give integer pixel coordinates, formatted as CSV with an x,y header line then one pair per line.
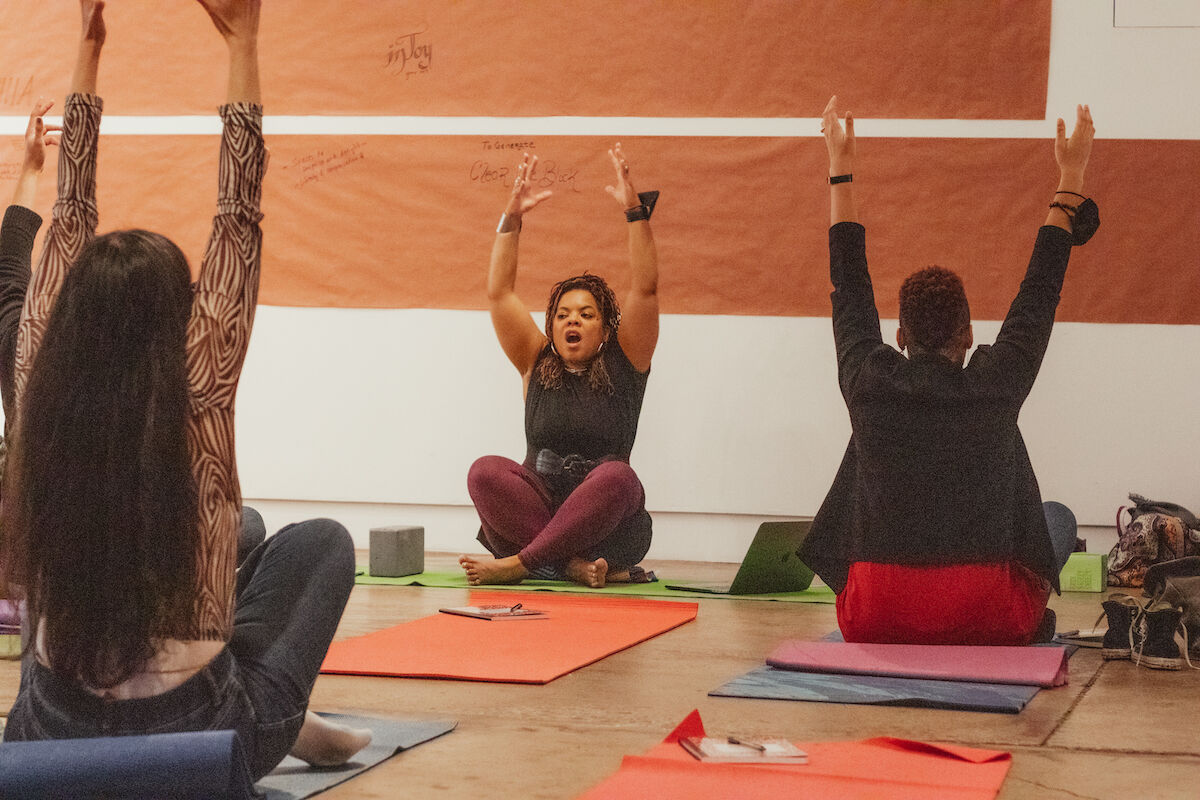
x,y
458,580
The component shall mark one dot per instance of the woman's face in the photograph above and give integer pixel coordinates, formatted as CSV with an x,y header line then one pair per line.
x,y
578,327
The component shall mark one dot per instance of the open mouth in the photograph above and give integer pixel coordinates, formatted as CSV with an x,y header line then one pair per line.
x,y
573,337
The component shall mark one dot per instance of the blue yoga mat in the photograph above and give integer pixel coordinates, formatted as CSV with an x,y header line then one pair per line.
x,y
768,683
189,766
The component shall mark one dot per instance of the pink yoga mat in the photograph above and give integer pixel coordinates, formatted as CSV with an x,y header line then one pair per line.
x,y
1032,666
578,631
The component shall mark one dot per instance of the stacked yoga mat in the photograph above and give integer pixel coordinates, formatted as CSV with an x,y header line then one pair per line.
x,y
998,679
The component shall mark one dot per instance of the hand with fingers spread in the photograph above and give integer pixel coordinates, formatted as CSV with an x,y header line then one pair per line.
x,y
623,192
38,136
524,197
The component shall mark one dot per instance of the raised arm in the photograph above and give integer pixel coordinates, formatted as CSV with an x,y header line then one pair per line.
x,y
638,334
856,330
839,142
519,336
1025,334
74,218
17,233
227,289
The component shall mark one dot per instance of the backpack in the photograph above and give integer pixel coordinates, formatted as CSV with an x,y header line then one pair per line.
x,y
1148,533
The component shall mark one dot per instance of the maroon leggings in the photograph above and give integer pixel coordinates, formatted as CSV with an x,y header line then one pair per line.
x,y
519,515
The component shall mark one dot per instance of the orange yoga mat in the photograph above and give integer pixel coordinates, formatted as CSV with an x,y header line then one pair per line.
x,y
578,631
898,769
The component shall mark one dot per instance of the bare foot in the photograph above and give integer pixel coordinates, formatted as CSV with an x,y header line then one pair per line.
x,y
589,573
326,744
486,570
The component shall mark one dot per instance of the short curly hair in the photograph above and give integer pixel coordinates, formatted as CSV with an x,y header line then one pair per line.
x,y
550,368
933,307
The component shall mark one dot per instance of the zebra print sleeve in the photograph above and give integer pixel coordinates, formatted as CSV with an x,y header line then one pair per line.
x,y
72,224
218,334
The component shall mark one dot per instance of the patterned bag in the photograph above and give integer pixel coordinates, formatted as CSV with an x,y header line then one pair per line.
x,y
1148,533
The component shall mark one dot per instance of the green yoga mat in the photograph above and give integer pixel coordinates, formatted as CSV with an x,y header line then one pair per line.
x,y
458,580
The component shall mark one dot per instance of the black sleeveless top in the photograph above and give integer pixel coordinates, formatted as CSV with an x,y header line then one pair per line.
x,y
578,420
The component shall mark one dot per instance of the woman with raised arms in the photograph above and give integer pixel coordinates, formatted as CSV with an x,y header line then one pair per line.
x,y
574,508
122,506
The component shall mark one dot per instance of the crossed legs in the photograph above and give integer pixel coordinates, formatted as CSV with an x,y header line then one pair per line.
x,y
526,531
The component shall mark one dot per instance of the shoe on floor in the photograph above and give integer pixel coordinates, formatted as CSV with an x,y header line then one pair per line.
x,y
1120,609
1152,637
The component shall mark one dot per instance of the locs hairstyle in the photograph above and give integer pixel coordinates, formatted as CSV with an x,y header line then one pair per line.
x,y
100,517
550,368
933,307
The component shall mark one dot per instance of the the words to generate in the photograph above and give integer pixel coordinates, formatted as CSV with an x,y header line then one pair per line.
x,y
548,174
409,54
315,166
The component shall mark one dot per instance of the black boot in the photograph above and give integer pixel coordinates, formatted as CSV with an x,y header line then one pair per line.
x,y
1120,609
1152,637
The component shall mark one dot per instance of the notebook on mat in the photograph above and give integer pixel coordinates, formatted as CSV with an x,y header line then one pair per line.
x,y
770,563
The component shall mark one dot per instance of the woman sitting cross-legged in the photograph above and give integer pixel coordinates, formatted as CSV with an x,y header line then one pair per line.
x,y
122,506
934,531
574,508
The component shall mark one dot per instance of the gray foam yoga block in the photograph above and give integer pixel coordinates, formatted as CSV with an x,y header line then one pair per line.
x,y
397,550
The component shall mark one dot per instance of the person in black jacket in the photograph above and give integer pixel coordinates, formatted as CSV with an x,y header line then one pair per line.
x,y
934,529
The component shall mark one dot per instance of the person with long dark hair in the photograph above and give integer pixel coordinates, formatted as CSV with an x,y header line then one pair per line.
x,y
121,503
574,508
934,531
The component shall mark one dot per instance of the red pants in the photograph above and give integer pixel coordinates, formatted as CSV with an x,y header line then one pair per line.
x,y
519,515
980,604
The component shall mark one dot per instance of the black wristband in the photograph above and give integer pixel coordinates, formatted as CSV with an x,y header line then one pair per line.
x,y
643,211
847,178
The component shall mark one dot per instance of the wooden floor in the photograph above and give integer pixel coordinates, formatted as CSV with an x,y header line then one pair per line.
x,y
1116,731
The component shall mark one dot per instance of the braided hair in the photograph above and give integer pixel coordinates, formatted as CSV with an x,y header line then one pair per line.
x,y
933,307
550,368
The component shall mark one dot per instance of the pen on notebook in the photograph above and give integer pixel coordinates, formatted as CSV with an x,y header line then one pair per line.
x,y
755,745
514,608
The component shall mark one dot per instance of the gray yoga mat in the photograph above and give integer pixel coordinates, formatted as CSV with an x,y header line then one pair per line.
x,y
293,779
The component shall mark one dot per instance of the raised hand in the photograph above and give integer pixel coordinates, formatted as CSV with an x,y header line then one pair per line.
x,y
523,197
93,21
1072,153
38,136
234,19
623,192
839,141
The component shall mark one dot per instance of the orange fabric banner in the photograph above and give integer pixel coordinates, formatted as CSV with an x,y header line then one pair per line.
x,y
408,222
679,58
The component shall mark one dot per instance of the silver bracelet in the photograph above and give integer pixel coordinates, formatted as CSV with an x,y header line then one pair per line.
x,y
509,224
